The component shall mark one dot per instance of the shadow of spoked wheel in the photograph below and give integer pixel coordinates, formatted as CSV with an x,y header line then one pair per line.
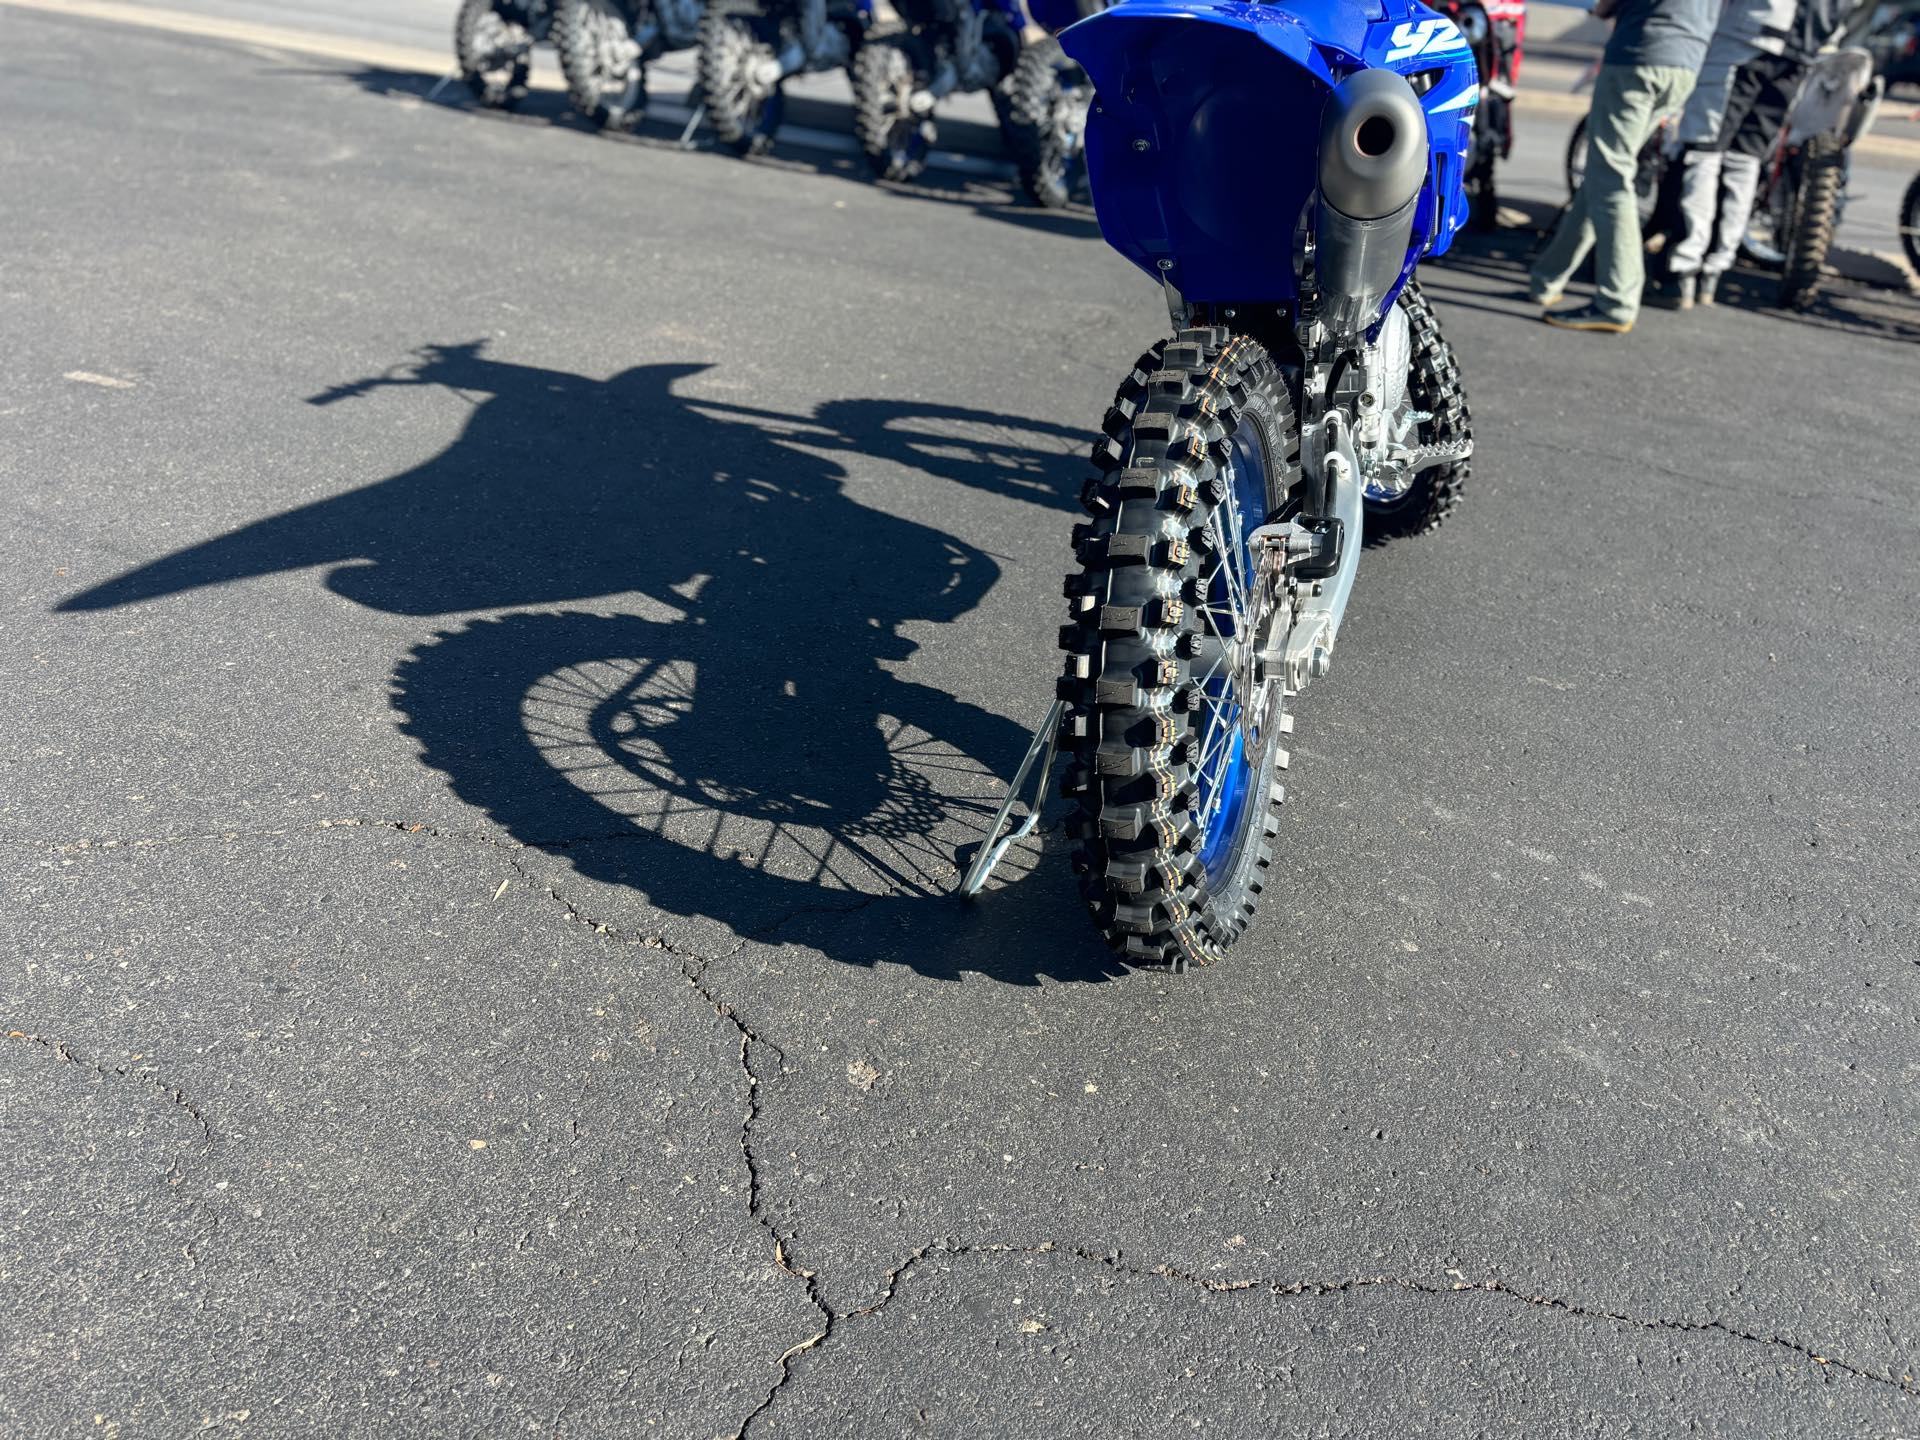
x,y
735,777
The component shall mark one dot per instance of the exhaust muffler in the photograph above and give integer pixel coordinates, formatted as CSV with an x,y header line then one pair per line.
x,y
1373,161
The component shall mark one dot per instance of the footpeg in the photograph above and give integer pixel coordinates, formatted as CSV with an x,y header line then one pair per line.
x,y
1422,457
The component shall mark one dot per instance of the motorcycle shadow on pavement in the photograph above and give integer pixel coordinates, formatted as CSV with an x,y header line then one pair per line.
x,y
984,194
732,734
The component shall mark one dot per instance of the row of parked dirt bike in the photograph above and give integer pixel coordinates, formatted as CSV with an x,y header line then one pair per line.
x,y
747,49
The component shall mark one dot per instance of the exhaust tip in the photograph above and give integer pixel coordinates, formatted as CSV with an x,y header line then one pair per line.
x,y
1373,145
1374,136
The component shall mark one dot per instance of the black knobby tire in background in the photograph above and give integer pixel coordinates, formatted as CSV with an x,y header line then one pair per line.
x,y
1433,385
1483,200
1649,168
729,44
1000,96
494,79
1764,240
1816,214
1041,151
884,73
1137,633
611,101
1910,224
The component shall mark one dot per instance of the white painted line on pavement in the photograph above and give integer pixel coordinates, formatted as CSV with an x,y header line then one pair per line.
x,y
429,63
246,32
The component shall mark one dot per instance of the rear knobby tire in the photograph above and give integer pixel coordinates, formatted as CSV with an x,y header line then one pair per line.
x,y
1816,214
1910,224
496,78
884,74
1483,201
1040,143
612,98
729,44
1136,629
1576,161
1433,385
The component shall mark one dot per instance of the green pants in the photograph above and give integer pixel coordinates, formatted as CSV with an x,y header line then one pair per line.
x,y
1628,101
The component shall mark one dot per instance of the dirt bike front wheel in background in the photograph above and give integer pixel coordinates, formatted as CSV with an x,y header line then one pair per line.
x,y
1173,740
1816,215
886,73
494,49
736,51
605,66
1046,117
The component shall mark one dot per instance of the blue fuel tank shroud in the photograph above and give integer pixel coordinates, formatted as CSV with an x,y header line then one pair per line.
x,y
1202,148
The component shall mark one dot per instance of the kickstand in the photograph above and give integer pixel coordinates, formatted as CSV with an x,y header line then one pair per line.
x,y
693,124
1045,742
441,84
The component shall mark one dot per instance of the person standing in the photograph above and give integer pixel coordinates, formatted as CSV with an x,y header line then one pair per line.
x,y
1759,53
1647,72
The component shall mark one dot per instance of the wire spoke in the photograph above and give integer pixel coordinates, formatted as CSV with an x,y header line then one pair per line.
x,y
1236,594
1209,748
1213,670
1227,602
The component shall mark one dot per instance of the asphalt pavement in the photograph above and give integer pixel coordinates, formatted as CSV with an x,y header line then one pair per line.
x,y
510,634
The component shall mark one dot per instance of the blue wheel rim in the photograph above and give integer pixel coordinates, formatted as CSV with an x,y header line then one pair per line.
x,y
1224,777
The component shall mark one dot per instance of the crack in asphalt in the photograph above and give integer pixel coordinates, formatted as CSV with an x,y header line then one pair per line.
x,y
1111,1260
692,968
144,1078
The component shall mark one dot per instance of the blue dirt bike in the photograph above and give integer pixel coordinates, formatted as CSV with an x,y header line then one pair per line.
x,y
1048,98
605,47
747,50
493,44
1279,170
948,47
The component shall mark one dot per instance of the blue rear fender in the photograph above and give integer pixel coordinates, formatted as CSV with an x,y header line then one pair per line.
x,y
1202,145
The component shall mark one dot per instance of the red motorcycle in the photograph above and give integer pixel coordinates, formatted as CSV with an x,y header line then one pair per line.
x,y
1495,31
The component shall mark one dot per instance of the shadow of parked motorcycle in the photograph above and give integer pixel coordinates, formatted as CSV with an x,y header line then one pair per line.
x,y
733,735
